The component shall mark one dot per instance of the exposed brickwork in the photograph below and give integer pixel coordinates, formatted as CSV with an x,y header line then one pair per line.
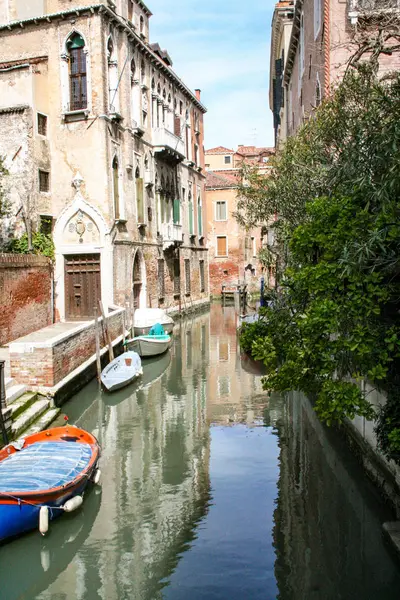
x,y
25,295
47,366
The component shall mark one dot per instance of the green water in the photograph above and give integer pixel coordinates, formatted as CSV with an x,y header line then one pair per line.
x,y
210,490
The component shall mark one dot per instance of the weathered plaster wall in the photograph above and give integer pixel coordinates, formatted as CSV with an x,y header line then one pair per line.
x,y
25,295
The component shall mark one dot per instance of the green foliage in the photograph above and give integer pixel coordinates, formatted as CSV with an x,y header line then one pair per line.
x,y
250,332
336,189
42,244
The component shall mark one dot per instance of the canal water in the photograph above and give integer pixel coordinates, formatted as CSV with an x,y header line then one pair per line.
x,y
210,490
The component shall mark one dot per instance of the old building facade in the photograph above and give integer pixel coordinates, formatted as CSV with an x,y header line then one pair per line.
x,y
104,146
233,251
311,44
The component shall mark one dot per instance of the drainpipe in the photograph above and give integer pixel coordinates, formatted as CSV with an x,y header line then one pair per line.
x,y
327,49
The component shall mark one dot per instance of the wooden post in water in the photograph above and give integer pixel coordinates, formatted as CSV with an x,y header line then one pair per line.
x,y
97,332
123,329
106,332
3,402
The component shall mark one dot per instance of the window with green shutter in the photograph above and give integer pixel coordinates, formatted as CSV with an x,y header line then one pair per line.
x,y
191,230
177,211
200,217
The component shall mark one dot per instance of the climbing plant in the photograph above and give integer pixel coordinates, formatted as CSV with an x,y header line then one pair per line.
x,y
335,191
4,201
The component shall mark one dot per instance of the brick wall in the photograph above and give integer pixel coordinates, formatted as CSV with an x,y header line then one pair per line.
x,y
46,363
25,295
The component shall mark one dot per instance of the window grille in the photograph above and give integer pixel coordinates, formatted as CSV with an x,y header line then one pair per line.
x,y
77,73
44,181
202,278
42,124
161,278
187,276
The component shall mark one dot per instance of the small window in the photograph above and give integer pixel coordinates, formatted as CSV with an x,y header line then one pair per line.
x,y
227,160
141,24
187,276
44,181
42,124
220,211
46,224
253,245
202,278
222,245
161,278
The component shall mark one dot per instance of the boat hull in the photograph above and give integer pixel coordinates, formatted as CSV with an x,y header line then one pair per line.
x,y
149,345
122,371
19,509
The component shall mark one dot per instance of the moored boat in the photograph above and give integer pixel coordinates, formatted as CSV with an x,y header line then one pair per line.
x,y
146,318
149,345
121,371
43,476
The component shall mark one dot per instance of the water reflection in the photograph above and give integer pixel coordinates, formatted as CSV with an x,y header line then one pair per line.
x,y
210,490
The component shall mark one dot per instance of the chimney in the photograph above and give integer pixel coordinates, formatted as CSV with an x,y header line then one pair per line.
x,y
198,94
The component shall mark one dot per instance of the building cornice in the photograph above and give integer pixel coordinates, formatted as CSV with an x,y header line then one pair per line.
x,y
19,108
294,41
132,36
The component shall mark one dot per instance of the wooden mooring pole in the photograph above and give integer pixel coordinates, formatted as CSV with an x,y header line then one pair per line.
x,y
106,332
3,402
97,333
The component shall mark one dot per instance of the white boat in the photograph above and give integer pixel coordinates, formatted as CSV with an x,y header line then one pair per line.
x,y
145,318
149,345
122,371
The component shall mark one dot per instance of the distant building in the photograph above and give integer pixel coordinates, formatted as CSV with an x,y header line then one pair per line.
x,y
233,251
104,144
311,43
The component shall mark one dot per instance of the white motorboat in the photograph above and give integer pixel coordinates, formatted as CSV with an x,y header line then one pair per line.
x,y
149,345
145,318
122,371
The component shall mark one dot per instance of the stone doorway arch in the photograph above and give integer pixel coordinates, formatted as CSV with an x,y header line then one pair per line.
x,y
139,280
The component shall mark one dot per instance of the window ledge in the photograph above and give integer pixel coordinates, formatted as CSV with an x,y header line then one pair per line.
x,y
76,115
120,220
142,225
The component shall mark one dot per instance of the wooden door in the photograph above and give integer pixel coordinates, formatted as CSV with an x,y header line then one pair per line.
x,y
82,286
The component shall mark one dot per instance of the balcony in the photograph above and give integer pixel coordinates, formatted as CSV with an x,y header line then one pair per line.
x,y
171,235
169,146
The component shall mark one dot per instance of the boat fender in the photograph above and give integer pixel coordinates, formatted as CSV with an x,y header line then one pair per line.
x,y
73,503
96,476
44,520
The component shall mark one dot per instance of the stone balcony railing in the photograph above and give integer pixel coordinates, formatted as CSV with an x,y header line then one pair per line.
x,y
171,234
368,6
163,137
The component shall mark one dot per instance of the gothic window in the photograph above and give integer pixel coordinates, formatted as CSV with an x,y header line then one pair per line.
x,y
115,170
141,25
139,196
112,76
77,72
143,71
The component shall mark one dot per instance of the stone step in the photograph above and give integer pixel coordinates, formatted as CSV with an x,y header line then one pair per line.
x,y
22,403
29,416
43,423
9,381
14,392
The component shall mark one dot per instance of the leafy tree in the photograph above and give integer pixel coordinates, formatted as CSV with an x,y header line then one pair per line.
x,y
335,190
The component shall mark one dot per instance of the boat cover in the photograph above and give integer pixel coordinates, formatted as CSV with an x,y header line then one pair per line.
x,y
43,466
157,329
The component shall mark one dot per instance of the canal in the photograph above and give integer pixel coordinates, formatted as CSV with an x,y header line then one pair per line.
x,y
210,490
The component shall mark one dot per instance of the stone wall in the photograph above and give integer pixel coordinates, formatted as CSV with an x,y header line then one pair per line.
x,y
25,295
46,363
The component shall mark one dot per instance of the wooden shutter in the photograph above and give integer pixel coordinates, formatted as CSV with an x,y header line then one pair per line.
x,y
177,126
221,246
139,200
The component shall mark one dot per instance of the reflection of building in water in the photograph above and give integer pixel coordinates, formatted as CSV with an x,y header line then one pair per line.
x,y
327,534
234,395
155,468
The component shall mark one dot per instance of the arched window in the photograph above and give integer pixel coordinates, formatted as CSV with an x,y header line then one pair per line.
x,y
141,25
112,76
115,169
200,216
159,89
133,68
77,72
139,196
143,71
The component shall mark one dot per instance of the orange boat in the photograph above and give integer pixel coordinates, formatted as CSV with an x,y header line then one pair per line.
x,y
43,476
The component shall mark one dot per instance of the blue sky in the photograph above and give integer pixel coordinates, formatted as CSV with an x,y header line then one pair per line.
x,y
223,48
